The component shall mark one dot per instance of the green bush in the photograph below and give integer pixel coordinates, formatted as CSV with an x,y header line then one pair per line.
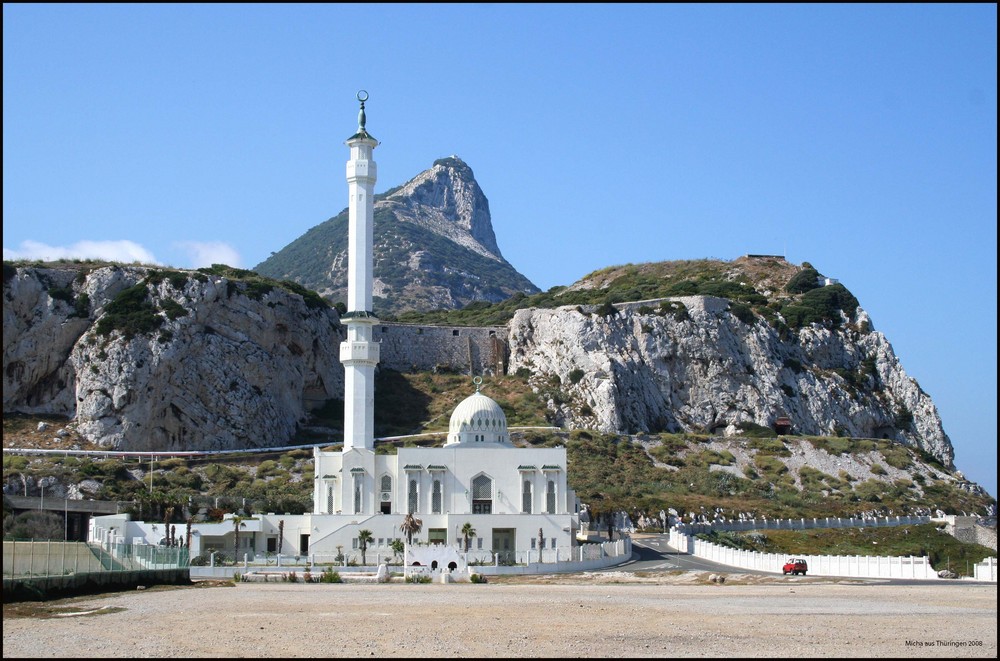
x,y
803,281
131,313
575,375
173,309
753,430
742,312
822,305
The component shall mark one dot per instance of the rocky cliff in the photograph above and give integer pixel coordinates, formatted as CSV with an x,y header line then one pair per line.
x,y
693,365
223,359
434,248
143,359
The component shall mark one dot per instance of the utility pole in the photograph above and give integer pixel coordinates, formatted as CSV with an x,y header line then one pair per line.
x,y
150,475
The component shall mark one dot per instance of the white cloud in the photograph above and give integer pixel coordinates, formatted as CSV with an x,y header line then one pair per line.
x,y
206,253
114,251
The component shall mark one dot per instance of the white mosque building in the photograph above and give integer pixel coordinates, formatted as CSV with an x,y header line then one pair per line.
x,y
515,499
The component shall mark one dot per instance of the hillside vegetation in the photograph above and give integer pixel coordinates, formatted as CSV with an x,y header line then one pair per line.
x,y
760,474
756,287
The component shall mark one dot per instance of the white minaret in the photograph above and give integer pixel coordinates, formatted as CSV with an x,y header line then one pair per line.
x,y
359,353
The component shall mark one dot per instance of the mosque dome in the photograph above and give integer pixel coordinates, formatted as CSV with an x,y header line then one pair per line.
x,y
478,419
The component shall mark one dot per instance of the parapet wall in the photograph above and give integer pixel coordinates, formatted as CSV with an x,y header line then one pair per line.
x,y
408,348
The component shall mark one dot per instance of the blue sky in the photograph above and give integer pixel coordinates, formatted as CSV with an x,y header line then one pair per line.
x,y
859,138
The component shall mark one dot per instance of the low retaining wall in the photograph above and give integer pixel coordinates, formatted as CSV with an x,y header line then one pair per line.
x,y
586,557
38,588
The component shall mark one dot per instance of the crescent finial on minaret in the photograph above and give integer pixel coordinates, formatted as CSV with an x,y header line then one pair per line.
x,y
362,97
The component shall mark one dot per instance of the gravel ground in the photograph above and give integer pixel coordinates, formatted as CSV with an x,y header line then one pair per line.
x,y
614,615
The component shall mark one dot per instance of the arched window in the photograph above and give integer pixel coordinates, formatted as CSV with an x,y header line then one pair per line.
x,y
526,497
482,495
385,494
412,497
550,497
436,497
330,499
358,502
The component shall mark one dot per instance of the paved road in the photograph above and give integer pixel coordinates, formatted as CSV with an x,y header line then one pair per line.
x,y
653,553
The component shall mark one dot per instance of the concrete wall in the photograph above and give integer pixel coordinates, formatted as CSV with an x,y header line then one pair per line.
x,y
407,348
967,529
819,565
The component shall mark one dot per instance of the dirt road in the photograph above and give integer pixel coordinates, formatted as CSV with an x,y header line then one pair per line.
x,y
617,615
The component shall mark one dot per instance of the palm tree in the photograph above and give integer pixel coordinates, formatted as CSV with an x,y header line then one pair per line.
x,y
397,547
468,532
364,536
410,527
237,524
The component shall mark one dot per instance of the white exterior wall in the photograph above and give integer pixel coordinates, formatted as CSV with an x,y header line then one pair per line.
x,y
462,464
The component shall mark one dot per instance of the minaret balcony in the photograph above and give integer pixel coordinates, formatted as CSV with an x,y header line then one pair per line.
x,y
359,352
362,171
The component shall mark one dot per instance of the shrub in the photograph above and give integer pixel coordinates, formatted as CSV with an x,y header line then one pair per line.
x,y
131,313
575,375
820,305
743,312
803,281
903,419
753,430
173,309
330,576
606,309
418,578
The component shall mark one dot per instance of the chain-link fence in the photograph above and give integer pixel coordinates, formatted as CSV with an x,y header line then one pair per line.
x,y
30,558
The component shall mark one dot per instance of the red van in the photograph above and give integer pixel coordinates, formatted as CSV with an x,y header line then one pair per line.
x,y
795,566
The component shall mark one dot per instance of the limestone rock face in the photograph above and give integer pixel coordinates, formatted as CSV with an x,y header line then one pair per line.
x,y
709,371
433,248
447,200
224,367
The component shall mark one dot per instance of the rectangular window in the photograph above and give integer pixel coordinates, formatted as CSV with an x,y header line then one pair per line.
x,y
533,544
